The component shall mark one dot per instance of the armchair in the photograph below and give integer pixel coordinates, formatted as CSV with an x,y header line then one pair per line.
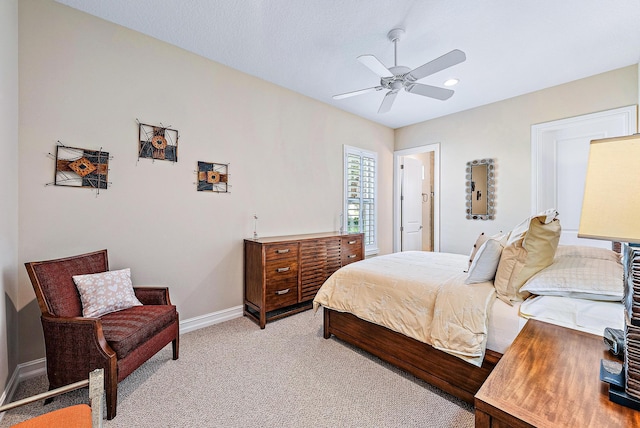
x,y
119,342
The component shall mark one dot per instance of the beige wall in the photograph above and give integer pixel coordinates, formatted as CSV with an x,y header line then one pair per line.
x,y
8,189
502,131
84,81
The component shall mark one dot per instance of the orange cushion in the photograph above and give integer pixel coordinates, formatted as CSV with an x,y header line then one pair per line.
x,y
78,416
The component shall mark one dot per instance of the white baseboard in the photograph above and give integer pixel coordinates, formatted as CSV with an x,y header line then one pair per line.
x,y
39,367
202,321
23,371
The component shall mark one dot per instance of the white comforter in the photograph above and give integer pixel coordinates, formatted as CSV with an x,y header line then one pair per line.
x,y
419,294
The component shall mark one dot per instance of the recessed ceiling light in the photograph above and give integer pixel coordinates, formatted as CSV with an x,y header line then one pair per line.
x,y
451,82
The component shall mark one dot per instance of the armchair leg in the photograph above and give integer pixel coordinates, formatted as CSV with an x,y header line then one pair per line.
x,y
176,345
111,396
50,399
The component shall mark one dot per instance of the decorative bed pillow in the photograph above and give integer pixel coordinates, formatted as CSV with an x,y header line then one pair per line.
x,y
476,246
531,247
587,252
485,263
102,293
577,277
480,241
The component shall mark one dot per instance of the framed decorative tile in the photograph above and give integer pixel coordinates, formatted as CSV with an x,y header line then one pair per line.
x,y
213,177
76,167
157,142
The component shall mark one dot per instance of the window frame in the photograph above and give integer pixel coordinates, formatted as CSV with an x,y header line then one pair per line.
x,y
371,243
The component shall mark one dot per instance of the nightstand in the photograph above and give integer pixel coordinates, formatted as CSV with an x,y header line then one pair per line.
x,y
550,377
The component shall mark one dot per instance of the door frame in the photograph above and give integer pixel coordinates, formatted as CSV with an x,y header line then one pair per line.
x,y
397,192
543,172
544,147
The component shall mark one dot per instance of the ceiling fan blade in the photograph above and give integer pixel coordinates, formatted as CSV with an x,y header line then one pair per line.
x,y
387,101
353,93
430,91
445,61
375,65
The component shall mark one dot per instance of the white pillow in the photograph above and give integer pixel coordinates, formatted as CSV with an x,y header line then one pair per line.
x,y
481,240
582,278
485,263
585,315
102,293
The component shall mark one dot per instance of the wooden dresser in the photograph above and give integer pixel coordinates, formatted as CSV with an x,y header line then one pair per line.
x,y
550,377
282,274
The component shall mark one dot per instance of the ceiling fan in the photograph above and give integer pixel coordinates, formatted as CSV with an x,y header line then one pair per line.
x,y
398,77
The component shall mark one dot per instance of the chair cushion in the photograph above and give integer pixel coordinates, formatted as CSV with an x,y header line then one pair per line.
x,y
126,330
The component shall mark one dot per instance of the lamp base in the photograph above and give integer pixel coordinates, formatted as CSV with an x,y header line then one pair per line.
x,y
612,373
619,396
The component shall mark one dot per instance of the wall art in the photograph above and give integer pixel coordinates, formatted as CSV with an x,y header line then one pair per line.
x,y
157,142
213,177
77,167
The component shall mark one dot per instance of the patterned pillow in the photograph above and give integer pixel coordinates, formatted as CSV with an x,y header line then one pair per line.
x,y
106,292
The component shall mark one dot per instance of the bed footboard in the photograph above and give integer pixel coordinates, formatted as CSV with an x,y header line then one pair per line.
x,y
442,370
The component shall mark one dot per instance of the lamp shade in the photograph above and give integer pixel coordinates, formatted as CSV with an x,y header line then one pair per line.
x,y
611,204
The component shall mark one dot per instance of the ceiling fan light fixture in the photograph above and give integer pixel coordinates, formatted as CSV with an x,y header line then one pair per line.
x,y
451,82
400,77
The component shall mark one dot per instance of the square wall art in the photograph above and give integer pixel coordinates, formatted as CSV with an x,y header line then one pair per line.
x,y
157,142
213,177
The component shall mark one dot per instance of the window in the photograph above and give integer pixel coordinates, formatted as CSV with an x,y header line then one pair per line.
x,y
360,174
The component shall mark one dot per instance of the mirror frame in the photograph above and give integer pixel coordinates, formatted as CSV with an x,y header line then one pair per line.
x,y
490,190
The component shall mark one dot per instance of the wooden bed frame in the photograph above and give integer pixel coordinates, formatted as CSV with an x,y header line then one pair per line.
x,y
442,370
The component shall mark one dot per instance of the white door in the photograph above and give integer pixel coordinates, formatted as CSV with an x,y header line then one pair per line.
x,y
560,151
411,204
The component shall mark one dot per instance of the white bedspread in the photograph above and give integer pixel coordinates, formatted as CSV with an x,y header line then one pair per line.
x,y
419,294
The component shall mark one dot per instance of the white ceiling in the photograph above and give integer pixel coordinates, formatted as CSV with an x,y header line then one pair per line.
x,y
310,46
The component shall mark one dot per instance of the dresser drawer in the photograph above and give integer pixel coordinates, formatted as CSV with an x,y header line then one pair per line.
x,y
279,270
284,251
351,249
281,293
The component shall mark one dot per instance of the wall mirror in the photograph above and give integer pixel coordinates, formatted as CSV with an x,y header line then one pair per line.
x,y
480,179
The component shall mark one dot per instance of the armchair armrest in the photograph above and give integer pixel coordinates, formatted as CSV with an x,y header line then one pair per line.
x,y
64,337
152,295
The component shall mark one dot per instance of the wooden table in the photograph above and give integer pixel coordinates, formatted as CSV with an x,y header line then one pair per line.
x,y
550,377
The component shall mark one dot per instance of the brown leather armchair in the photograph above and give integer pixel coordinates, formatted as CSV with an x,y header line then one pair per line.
x,y
119,342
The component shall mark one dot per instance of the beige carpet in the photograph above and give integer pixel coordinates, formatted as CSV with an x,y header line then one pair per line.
x,y
235,375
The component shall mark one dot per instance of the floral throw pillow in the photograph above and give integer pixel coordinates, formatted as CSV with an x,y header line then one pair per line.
x,y
102,293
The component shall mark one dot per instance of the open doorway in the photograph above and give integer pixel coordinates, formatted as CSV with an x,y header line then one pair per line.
x,y
416,199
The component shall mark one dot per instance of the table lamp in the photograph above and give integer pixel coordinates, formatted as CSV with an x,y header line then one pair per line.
x,y
611,211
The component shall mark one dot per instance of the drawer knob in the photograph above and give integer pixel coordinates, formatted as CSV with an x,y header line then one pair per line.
x,y
352,256
285,251
284,269
352,242
281,292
